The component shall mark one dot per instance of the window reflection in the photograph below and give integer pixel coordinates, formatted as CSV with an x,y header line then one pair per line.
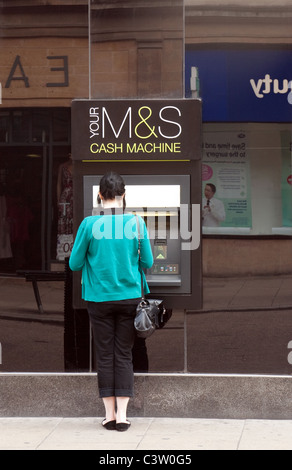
x,y
136,52
237,342
250,167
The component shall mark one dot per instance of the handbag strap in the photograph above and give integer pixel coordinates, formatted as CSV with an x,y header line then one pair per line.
x,y
139,252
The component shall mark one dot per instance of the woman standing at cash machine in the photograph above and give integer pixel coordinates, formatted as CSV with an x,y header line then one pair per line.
x,y
106,250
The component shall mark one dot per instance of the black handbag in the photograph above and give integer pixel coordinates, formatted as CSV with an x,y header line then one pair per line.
x,y
149,312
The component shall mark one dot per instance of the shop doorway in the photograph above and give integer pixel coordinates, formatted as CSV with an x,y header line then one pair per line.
x,y
33,145
24,201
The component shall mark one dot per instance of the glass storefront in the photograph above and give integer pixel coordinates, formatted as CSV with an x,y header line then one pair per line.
x,y
250,166
131,53
35,144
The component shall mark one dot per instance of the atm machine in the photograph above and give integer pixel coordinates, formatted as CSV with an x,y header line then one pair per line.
x,y
158,199
156,146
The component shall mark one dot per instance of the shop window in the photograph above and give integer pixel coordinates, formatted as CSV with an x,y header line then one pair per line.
x,y
62,204
247,179
29,168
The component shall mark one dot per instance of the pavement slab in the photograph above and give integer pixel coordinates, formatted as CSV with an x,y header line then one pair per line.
x,y
156,434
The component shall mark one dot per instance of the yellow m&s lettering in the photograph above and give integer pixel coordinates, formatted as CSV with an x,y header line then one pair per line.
x,y
144,121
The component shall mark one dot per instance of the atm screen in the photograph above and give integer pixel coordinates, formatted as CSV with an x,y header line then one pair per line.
x,y
148,195
160,250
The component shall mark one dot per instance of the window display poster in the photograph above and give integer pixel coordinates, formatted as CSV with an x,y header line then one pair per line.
x,y
226,180
286,138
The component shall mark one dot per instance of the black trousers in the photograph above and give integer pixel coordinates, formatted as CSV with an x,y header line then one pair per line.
x,y
114,335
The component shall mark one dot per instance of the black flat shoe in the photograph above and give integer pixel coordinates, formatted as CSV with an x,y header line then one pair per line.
x,y
110,425
121,427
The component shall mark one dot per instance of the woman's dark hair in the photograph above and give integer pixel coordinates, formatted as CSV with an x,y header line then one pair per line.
x,y
111,185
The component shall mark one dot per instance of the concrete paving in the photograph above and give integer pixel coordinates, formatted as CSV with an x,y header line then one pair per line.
x,y
155,434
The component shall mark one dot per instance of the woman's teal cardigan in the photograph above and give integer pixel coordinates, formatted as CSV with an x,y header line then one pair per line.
x,y
106,251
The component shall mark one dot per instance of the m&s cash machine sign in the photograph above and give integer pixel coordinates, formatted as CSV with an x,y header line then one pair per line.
x,y
138,130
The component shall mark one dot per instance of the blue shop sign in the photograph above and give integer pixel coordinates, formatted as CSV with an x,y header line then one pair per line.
x,y
243,85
